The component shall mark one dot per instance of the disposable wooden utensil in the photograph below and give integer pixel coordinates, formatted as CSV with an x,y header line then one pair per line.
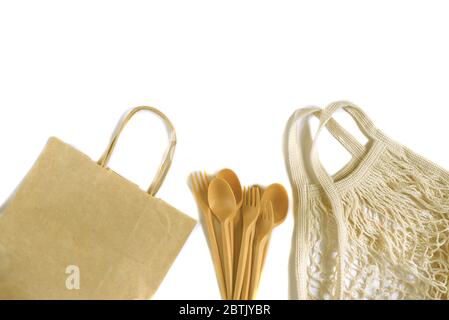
x,y
224,206
231,177
278,196
200,185
250,212
265,226
246,294
236,225
246,290
236,234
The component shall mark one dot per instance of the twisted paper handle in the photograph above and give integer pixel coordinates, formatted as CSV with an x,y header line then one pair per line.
x,y
167,160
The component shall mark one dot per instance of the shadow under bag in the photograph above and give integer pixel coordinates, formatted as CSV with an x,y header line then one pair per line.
x,y
379,228
74,229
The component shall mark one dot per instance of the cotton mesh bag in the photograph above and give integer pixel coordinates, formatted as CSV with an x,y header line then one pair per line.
x,y
378,228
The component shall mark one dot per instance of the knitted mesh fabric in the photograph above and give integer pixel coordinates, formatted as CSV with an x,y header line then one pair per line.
x,y
378,229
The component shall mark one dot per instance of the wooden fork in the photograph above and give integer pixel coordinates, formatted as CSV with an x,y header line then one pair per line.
x,y
200,185
250,211
265,226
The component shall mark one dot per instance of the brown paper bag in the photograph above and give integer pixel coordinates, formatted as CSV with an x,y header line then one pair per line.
x,y
74,229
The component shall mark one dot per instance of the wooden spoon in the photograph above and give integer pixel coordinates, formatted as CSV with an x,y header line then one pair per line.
x,y
236,225
224,206
278,197
230,177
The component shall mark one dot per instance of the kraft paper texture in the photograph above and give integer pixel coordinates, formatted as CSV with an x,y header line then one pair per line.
x,y
70,211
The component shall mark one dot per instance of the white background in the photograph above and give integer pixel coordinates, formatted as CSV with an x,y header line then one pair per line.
x,y
228,74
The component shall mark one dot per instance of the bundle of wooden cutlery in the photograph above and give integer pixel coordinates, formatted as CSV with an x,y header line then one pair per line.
x,y
238,223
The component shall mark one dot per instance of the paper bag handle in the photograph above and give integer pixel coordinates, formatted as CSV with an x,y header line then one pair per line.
x,y
166,163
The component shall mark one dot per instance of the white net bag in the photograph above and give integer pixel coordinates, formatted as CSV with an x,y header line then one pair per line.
x,y
379,228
